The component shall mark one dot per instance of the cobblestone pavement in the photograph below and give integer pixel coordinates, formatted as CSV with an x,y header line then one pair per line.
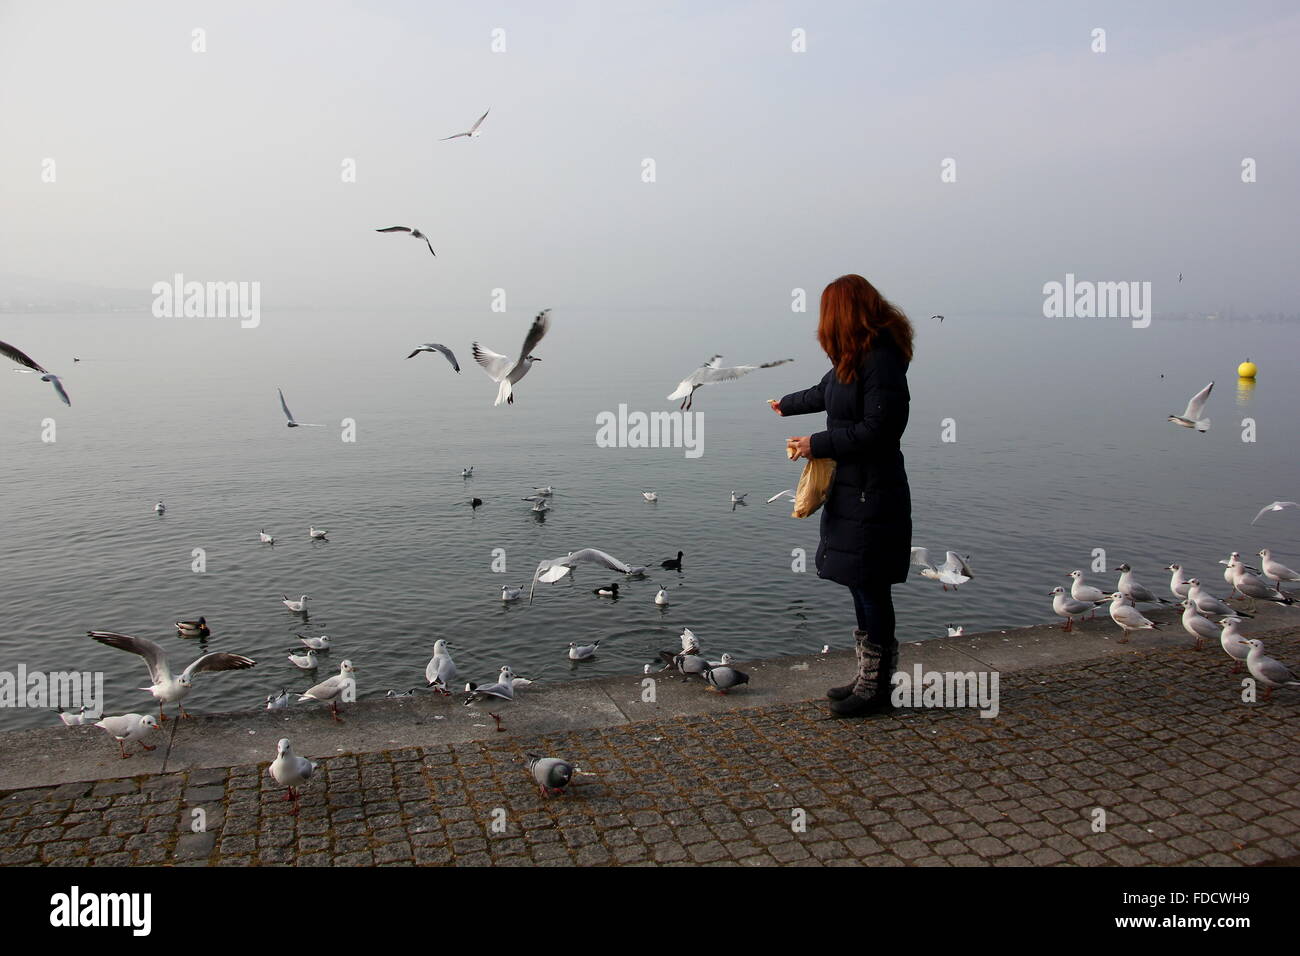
x,y
1185,772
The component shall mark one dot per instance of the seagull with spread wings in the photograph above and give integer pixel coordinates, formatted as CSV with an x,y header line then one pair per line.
x,y
293,423
710,373
414,234
166,687
553,569
501,368
473,132
1194,416
435,347
30,365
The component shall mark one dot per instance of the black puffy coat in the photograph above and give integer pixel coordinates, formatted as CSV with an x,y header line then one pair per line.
x,y
866,531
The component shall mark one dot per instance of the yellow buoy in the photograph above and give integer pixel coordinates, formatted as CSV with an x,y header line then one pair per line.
x,y
1247,369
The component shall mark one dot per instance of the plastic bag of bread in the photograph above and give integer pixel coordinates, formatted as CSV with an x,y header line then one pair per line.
x,y
814,484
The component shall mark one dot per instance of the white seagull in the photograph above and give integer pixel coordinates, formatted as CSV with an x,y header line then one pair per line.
x,y
1123,613
441,669
298,607
1200,627
317,534
290,770
473,132
160,508
503,689
305,660
321,643
435,347
1233,644
341,685
711,373
582,652
1086,592
263,537
788,493
293,423
1128,585
662,598
467,472
1193,417
414,234
278,701
511,594
129,727
1177,582
1065,606
738,499
1269,672
1275,569
1275,506
166,688
553,569
954,571
502,369
22,358
650,495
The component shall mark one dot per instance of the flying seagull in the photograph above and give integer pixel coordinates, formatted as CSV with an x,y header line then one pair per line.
x,y
435,347
414,233
289,415
166,688
551,570
22,358
939,317
502,369
473,132
1193,417
710,373
1275,506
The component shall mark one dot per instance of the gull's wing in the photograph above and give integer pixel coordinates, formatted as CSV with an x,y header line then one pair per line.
x,y
21,357
219,662
394,229
494,363
154,656
710,374
1196,407
921,557
285,405
713,362
1128,615
453,136
955,562
479,121
593,556
58,387
1275,506
435,347
430,245
539,328
326,688
789,492
1275,670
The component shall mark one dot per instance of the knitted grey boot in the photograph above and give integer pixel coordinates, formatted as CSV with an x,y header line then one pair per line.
x,y
839,693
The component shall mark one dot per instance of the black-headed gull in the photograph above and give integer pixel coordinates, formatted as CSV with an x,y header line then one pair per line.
x,y
1200,627
511,594
321,643
341,686
1268,671
583,652
413,233
1233,644
160,508
317,534
278,701
129,727
787,494
306,660
473,132
441,669
954,572
711,373
1140,594
1086,592
1177,581
263,537
1065,606
166,688
1207,603
22,358
1129,618
77,719
662,598
738,499
290,770
508,371
292,422
1275,569
435,347
1275,506
553,569
1194,416
298,607
650,495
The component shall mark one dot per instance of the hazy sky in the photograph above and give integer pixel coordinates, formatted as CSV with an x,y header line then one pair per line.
x,y
774,169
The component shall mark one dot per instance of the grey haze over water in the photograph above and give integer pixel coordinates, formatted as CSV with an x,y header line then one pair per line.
x,y
775,171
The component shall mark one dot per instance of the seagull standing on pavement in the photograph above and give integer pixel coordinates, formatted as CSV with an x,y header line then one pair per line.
x,y
1269,672
508,372
342,686
129,727
1064,606
1123,613
290,770
1086,592
1275,569
441,669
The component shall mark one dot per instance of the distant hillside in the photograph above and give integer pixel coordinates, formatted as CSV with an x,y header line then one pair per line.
x,y
28,294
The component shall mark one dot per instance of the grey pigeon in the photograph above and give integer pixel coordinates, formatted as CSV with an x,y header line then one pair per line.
x,y
724,678
551,773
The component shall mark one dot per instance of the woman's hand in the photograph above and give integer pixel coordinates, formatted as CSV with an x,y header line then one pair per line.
x,y
776,406
802,447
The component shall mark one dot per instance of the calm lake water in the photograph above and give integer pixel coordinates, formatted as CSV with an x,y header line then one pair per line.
x,y
1062,447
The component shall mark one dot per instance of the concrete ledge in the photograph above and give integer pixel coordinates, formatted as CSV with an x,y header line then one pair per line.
x,y
58,755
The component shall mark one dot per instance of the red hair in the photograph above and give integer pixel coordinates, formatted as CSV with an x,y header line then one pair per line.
x,y
853,317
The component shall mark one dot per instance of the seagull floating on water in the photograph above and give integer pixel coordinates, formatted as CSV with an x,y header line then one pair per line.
x,y
473,132
414,234
160,508
711,373
435,347
298,607
317,534
263,537
501,369
650,495
166,688
321,643
511,594
467,472
278,701
305,660
583,652
662,598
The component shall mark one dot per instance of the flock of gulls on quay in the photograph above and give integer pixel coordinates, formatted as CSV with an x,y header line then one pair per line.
x,y
552,774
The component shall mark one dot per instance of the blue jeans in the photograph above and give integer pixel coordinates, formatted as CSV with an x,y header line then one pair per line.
x,y
875,609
